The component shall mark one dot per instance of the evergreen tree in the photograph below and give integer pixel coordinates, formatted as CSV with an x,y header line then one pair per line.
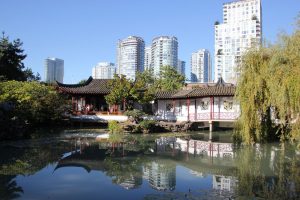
x,y
11,61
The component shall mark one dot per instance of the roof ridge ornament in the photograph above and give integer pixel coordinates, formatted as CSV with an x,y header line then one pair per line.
x,y
220,82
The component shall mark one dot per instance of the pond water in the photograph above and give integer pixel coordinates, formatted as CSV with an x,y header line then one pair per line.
x,y
73,165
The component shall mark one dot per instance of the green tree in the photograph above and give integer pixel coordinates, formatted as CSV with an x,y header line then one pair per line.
x,y
143,88
169,79
82,81
29,102
11,61
30,75
269,88
119,90
139,90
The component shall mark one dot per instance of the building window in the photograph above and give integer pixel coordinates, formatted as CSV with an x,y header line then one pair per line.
x,y
228,105
169,107
204,105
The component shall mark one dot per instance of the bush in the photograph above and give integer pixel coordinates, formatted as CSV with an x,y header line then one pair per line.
x,y
114,127
135,114
147,125
115,132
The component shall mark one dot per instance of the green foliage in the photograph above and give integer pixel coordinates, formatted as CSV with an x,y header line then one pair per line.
x,y
114,127
143,88
270,84
169,79
11,65
29,102
147,125
115,132
135,114
253,172
123,89
119,90
82,81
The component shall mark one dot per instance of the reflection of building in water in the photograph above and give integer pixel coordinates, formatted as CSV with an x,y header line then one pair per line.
x,y
224,182
207,148
161,176
195,173
131,182
163,143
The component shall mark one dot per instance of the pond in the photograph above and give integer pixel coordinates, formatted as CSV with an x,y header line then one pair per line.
x,y
74,165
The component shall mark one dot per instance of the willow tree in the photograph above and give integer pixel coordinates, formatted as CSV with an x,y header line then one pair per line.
x,y
269,91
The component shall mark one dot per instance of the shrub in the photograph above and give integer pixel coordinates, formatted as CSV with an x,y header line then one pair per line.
x,y
135,114
114,127
147,125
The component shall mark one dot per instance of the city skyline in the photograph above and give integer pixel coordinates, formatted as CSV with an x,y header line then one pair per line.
x,y
91,36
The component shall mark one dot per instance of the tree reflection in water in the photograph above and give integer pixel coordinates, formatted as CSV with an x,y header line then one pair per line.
x,y
269,172
9,188
261,171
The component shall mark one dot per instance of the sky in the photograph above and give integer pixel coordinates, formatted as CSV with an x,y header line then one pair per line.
x,y
85,32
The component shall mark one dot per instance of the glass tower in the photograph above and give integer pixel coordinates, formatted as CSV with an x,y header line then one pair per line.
x,y
54,70
130,56
164,51
201,66
241,29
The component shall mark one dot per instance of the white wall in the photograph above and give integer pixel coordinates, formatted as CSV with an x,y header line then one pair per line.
x,y
199,109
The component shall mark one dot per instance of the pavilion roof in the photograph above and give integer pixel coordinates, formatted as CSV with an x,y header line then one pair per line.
x,y
100,86
205,90
91,86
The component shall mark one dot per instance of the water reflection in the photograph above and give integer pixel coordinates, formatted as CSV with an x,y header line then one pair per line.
x,y
160,175
158,168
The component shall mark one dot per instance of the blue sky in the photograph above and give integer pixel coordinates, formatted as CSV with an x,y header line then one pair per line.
x,y
85,32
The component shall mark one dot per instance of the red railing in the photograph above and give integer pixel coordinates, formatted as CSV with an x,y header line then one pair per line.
x,y
217,116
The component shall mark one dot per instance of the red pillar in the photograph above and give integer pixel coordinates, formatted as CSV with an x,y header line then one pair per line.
x,y
211,108
188,107
195,109
219,106
81,102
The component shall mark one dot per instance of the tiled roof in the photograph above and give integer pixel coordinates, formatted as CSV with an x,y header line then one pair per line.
x,y
182,93
91,86
212,91
164,94
99,86
215,90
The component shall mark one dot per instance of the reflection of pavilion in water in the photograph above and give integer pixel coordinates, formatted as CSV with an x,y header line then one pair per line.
x,y
222,169
161,173
212,149
91,158
161,176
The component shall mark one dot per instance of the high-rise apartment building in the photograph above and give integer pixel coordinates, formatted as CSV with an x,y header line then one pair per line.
x,y
147,62
130,56
104,70
241,29
164,51
54,70
181,67
201,66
